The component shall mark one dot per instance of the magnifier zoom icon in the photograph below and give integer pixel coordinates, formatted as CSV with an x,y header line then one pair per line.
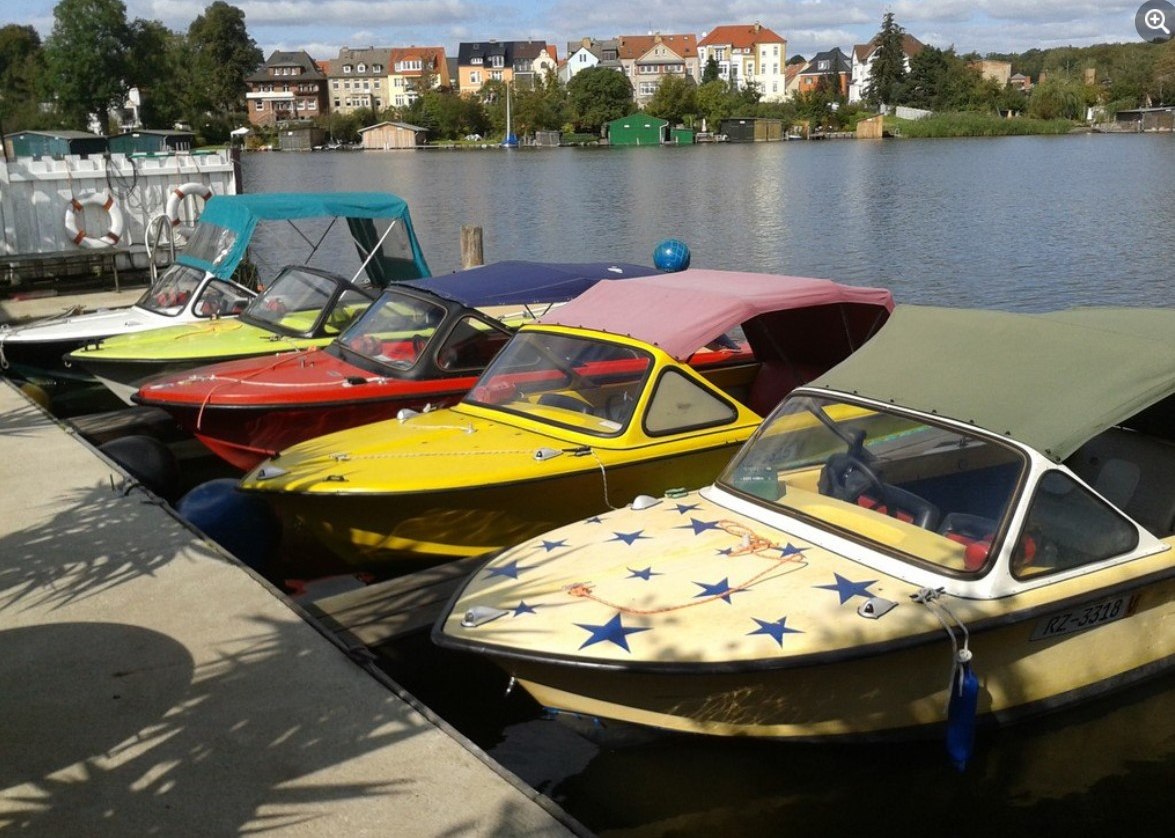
x,y
1156,19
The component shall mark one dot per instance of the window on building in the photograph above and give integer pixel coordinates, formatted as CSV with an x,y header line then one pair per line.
x,y
497,61
476,60
259,105
823,65
346,68
475,78
496,75
361,68
377,68
311,105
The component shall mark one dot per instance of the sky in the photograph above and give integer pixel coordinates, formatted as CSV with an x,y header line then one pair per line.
x,y
321,27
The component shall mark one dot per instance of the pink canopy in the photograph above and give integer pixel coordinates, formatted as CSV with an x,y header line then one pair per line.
x,y
681,312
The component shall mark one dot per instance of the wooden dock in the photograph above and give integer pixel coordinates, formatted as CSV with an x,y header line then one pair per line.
x,y
154,685
377,613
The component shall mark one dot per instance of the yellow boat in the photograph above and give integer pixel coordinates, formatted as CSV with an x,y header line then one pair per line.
x,y
616,393
971,518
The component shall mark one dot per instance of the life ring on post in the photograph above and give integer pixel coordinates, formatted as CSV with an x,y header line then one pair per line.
x,y
177,195
78,234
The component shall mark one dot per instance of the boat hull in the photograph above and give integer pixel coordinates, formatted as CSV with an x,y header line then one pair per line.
x,y
899,692
244,436
367,530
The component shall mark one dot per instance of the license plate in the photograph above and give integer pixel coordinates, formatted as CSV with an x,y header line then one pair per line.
x,y
1082,617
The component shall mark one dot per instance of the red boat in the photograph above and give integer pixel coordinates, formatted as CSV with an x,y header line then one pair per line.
x,y
421,346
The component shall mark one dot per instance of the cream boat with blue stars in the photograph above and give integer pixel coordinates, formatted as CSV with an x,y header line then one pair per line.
x,y
976,504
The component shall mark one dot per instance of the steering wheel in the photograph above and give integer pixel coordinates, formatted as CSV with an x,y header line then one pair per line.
x,y
846,477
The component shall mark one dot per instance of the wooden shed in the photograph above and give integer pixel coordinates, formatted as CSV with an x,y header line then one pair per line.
x,y
637,129
53,143
151,141
751,129
293,136
385,136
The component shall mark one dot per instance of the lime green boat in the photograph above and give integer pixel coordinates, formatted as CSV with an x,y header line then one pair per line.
x,y
302,307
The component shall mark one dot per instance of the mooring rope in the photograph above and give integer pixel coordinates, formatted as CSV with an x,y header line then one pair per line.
x,y
951,624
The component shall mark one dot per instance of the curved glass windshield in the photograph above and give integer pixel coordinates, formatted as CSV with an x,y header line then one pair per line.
x,y
171,292
395,331
578,383
297,301
931,492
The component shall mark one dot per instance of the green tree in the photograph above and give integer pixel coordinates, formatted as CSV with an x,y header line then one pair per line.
x,y
157,64
448,115
715,102
676,96
710,71
889,64
1165,73
598,95
22,68
86,60
222,55
1057,98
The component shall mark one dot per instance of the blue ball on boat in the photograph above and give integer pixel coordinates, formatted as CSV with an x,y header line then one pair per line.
x,y
671,255
240,523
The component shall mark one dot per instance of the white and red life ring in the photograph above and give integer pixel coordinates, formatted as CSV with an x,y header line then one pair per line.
x,y
177,195
78,234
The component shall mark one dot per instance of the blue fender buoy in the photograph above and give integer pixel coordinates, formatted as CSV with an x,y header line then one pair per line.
x,y
961,711
671,255
241,523
147,460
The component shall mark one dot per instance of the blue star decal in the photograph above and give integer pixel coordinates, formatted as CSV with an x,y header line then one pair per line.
x,y
523,608
776,630
554,545
725,551
612,631
510,569
847,590
683,508
646,574
719,589
595,519
789,550
698,527
628,537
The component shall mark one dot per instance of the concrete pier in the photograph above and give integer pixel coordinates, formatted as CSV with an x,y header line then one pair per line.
x,y
152,685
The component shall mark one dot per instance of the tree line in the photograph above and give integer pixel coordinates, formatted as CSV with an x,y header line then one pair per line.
x,y
94,56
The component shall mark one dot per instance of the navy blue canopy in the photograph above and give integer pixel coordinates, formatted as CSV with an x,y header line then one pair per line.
x,y
521,283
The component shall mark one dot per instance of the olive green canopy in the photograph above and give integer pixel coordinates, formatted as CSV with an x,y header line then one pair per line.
x,y
1051,381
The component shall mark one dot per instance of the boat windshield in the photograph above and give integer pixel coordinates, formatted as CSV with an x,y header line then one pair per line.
x,y
575,382
171,291
933,493
302,303
395,331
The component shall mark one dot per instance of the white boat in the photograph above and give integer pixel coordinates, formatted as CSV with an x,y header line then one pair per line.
x,y
199,287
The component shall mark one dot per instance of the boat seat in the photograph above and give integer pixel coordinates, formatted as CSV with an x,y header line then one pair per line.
x,y
1133,471
907,506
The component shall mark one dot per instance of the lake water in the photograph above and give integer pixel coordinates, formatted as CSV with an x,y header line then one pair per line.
x,y
1017,223
1027,223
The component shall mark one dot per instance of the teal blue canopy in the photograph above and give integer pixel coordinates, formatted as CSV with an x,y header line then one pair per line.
x,y
226,225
